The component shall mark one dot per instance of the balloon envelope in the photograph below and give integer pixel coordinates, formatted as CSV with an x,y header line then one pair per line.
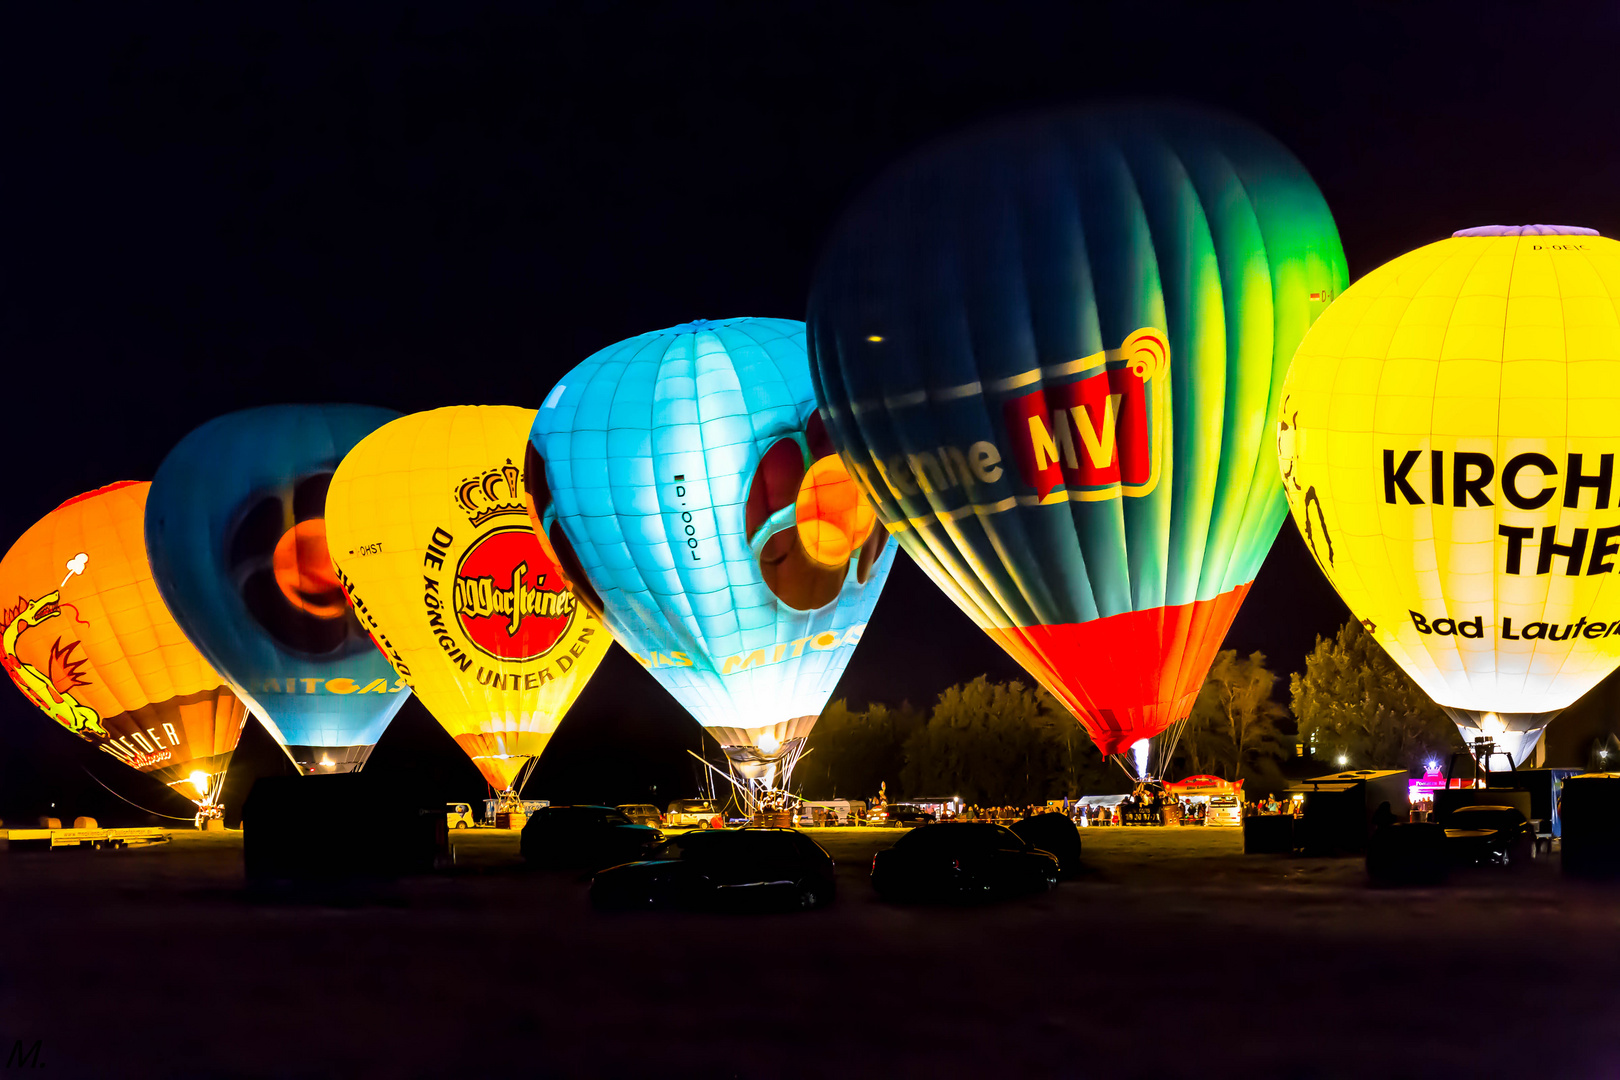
x,y
1447,441
1049,351
235,525
88,639
430,533
668,471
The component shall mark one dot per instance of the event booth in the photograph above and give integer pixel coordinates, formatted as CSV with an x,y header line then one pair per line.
x,y
1222,799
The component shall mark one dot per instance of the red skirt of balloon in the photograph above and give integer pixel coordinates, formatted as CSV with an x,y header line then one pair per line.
x,y
1130,676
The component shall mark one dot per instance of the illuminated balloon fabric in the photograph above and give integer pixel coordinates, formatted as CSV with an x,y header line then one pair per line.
x,y
236,531
674,464
1447,439
430,533
1050,351
88,639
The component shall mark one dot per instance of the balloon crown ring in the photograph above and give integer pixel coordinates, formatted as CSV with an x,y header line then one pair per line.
x,y
1527,230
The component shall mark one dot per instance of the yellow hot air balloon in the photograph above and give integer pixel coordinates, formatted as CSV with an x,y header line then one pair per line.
x,y
1448,436
429,530
88,639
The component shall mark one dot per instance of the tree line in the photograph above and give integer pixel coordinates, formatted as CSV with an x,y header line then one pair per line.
x,y
1012,744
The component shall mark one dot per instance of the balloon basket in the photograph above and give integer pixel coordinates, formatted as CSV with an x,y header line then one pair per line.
x,y
774,819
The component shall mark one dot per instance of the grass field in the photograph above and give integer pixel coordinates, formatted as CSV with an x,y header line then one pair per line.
x,y
1173,955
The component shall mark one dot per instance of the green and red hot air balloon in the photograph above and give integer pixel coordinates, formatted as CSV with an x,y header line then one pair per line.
x,y
1050,351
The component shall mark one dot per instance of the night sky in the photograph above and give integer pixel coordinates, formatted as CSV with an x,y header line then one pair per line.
x,y
208,208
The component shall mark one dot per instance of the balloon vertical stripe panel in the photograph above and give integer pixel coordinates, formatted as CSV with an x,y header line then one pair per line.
x,y
1050,351
430,533
236,528
669,468
87,638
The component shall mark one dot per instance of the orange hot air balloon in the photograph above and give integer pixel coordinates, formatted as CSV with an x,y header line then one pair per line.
x,y
88,639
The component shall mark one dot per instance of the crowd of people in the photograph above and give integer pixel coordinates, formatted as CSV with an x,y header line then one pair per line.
x,y
1148,804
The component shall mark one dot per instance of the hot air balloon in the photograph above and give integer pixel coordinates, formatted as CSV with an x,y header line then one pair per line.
x,y
687,488
236,530
1049,351
87,638
429,529
1447,440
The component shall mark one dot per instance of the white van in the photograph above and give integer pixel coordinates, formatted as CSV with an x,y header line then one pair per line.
x,y
458,815
1224,810
825,812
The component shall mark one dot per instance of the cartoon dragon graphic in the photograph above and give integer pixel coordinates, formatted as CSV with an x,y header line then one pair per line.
x,y
50,690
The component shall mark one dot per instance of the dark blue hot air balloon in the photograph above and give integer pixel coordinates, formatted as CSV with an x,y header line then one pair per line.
x,y
236,531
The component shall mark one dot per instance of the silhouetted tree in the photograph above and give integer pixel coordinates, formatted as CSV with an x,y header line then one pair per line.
x,y
850,753
1233,731
990,743
1352,701
1000,744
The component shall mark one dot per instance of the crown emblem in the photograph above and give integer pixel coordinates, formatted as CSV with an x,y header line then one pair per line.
x,y
492,493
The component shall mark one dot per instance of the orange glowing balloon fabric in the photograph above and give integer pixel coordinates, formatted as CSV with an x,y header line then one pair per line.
x,y
88,639
833,516
304,573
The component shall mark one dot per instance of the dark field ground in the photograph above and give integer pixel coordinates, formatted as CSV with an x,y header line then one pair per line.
x,y
1176,956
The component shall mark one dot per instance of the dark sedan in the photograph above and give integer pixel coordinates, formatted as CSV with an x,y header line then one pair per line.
x,y
1488,836
962,861
750,869
584,838
1055,834
904,815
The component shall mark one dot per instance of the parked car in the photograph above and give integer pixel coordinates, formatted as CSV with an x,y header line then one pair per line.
x,y
642,814
733,869
962,861
584,838
1054,833
1488,836
458,815
904,816
688,813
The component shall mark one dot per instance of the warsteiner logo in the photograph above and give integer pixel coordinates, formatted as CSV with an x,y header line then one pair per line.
x,y
509,607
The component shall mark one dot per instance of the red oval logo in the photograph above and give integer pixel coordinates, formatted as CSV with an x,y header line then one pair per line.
x,y
511,602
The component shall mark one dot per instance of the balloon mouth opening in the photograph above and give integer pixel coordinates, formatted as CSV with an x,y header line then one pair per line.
x,y
1527,230
1494,736
327,760
760,761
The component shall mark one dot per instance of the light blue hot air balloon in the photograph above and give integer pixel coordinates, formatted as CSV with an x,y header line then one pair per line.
x,y
236,533
687,486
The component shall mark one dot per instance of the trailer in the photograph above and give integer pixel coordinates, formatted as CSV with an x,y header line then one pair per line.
x,y
49,839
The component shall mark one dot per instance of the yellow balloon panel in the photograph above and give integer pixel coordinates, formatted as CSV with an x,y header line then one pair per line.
x,y
87,639
429,530
1447,439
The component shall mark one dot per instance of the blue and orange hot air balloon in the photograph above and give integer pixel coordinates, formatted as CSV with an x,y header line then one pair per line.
x,y
686,486
236,528
1050,351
